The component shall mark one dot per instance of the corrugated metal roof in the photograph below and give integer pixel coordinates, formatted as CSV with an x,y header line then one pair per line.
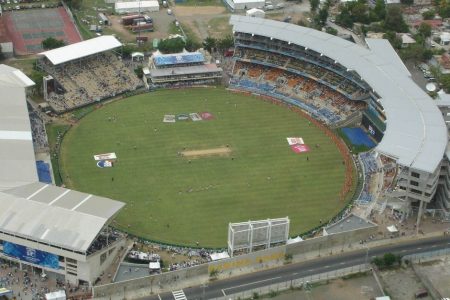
x,y
82,49
69,218
415,134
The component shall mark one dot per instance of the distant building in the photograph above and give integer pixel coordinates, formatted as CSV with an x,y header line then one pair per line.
x,y
435,24
103,19
445,38
443,63
388,2
244,4
5,42
406,39
422,2
180,69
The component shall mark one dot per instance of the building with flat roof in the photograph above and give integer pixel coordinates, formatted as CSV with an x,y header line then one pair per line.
x,y
244,4
180,69
47,227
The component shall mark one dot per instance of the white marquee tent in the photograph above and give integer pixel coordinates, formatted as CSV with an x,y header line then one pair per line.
x,y
136,6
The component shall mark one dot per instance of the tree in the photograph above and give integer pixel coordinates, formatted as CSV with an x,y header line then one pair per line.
x,y
390,259
127,49
331,30
395,41
37,76
225,43
443,8
380,10
394,20
359,11
356,11
321,18
52,43
416,52
210,43
191,45
171,45
314,5
445,81
429,14
424,30
74,3
344,18
139,72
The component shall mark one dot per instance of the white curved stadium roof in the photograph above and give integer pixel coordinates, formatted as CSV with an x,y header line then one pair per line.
x,y
415,134
82,49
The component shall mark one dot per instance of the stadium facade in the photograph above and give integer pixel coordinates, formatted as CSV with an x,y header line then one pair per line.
x,y
408,127
47,227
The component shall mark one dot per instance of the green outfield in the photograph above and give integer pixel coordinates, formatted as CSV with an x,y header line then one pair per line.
x,y
175,199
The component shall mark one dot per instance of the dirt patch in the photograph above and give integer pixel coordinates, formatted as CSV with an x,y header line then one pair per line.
x,y
222,151
362,287
401,283
438,273
197,18
186,11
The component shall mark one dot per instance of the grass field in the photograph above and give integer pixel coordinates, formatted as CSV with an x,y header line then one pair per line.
x,y
183,201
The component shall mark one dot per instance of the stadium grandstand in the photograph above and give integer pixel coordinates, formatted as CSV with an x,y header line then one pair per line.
x,y
85,72
335,80
180,69
47,227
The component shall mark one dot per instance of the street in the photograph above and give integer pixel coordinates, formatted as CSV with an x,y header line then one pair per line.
x,y
293,271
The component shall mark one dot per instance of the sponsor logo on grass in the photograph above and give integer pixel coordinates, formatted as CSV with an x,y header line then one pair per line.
x,y
105,164
105,156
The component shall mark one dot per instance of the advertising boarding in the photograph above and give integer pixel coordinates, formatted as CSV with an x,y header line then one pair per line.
x,y
31,255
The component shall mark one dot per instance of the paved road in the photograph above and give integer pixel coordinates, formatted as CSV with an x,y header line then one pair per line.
x,y
299,270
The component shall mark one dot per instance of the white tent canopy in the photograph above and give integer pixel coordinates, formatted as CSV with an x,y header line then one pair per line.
x,y
219,255
58,295
255,12
392,229
154,265
294,240
137,54
81,49
136,6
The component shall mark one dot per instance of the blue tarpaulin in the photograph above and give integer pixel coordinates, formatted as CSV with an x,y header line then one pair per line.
x,y
357,136
43,170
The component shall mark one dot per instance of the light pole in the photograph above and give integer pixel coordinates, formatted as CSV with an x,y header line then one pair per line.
x,y
204,286
367,254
